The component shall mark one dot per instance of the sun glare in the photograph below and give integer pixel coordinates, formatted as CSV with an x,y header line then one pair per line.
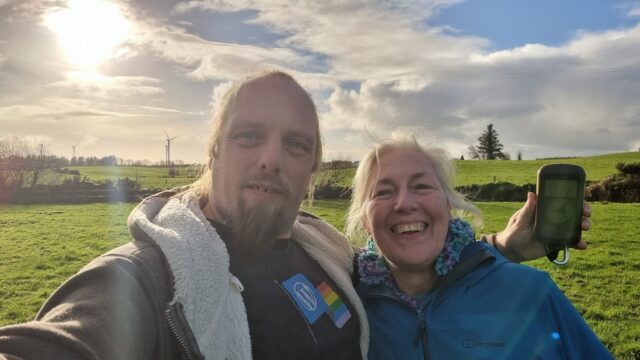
x,y
89,31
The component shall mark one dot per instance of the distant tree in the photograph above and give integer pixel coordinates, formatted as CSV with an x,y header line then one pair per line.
x,y
473,153
489,146
461,157
110,160
91,161
519,155
23,162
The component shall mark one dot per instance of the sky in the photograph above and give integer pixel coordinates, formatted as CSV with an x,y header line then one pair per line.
x,y
555,78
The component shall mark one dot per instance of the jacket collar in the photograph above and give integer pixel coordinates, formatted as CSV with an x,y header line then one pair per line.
x,y
472,266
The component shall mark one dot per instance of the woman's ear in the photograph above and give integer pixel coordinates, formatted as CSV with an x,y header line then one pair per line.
x,y
365,224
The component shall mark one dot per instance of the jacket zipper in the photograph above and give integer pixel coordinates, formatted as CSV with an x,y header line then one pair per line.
x,y
421,331
178,325
421,336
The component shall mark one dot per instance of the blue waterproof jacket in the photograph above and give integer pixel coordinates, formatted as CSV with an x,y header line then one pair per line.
x,y
486,308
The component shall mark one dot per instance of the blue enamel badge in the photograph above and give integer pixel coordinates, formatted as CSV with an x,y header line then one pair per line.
x,y
306,297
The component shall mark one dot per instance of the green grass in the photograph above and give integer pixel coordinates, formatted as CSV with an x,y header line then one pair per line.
x,y
524,171
42,245
149,177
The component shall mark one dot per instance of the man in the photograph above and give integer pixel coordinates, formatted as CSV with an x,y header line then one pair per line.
x,y
228,268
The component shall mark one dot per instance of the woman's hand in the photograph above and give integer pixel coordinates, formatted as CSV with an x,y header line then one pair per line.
x,y
516,241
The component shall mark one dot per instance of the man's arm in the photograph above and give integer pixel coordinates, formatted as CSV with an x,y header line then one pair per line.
x,y
516,241
106,311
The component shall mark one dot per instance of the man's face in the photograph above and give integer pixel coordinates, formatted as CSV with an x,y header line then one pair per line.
x,y
265,158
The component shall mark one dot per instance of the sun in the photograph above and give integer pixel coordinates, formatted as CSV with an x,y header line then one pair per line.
x,y
89,31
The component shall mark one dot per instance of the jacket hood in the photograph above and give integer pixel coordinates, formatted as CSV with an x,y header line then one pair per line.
x,y
209,294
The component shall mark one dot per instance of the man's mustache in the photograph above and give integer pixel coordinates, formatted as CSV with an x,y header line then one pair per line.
x,y
273,181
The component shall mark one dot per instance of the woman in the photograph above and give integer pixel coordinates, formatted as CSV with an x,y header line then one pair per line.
x,y
430,290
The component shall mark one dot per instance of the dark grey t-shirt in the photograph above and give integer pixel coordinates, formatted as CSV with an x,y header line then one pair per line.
x,y
295,310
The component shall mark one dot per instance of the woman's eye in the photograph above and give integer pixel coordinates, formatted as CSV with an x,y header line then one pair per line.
x,y
423,186
382,193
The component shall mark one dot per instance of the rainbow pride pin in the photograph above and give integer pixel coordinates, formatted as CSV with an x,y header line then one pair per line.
x,y
337,309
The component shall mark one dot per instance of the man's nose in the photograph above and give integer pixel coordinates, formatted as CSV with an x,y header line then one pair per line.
x,y
405,201
271,155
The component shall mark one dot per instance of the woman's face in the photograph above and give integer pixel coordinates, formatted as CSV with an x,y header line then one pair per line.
x,y
407,213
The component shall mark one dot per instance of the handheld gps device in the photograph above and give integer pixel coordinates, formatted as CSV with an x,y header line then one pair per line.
x,y
560,191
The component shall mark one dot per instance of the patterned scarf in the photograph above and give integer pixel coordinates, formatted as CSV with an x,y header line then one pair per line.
x,y
373,268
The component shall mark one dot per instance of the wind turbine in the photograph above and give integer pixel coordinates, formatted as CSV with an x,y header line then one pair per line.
x,y
168,147
74,150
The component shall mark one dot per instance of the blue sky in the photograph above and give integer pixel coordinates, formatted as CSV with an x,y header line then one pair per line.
x,y
512,23
556,78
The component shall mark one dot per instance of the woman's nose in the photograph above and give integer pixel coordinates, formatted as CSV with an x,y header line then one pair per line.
x,y
405,201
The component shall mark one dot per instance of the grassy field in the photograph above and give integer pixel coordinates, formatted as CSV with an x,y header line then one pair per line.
x,y
469,172
522,172
149,177
42,245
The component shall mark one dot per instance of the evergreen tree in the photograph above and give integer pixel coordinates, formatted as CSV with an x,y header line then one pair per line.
x,y
489,147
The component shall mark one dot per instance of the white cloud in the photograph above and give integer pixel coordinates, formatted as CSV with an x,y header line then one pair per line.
x,y
576,99
376,40
169,110
543,99
200,59
94,85
633,9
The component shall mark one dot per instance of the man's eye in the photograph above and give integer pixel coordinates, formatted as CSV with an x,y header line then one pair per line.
x,y
298,145
247,137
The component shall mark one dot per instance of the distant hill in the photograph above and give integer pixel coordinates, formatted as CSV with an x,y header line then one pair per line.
x,y
524,171
469,171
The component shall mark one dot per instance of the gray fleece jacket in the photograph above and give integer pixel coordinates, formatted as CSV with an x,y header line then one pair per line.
x,y
126,305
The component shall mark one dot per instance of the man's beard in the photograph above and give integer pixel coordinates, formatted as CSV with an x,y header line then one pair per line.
x,y
257,226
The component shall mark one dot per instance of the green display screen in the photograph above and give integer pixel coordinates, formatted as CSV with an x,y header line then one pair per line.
x,y
558,207
560,188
